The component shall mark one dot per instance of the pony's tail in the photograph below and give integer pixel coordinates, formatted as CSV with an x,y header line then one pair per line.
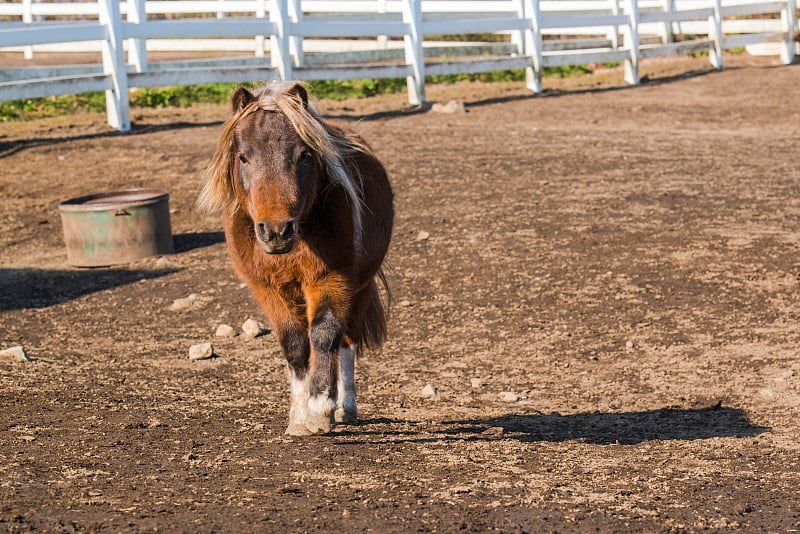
x,y
374,333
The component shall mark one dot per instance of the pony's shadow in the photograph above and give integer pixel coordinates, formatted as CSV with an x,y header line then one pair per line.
x,y
40,288
624,428
193,240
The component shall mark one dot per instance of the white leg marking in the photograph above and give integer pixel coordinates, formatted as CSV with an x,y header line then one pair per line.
x,y
346,410
298,404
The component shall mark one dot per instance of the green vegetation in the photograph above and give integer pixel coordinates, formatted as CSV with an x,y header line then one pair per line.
x,y
219,93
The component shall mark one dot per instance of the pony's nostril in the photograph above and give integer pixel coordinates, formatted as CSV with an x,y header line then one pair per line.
x,y
265,231
287,230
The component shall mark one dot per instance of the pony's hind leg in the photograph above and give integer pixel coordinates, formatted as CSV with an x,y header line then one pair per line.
x,y
346,411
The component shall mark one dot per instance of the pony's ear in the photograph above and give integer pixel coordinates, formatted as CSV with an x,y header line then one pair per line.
x,y
299,92
241,97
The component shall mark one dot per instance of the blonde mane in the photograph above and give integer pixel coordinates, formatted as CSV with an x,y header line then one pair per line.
x,y
333,147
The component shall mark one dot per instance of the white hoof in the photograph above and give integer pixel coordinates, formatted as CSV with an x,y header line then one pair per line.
x,y
297,429
321,424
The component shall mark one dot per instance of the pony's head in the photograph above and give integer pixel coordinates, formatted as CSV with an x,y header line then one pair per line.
x,y
271,160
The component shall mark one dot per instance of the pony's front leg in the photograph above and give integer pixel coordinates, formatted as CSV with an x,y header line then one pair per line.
x,y
325,335
296,348
291,329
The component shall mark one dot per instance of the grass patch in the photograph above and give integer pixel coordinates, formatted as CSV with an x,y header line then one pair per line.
x,y
219,93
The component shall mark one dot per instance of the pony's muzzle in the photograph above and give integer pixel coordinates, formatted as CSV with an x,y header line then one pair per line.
x,y
277,239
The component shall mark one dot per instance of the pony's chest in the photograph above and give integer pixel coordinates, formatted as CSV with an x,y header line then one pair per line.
x,y
294,269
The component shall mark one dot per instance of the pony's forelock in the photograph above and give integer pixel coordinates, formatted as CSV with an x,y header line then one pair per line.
x,y
219,190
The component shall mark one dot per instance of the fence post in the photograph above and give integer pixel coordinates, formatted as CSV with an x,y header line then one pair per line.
x,y
27,18
137,48
788,20
296,43
383,40
614,34
412,15
279,44
114,66
261,12
533,44
715,35
518,37
666,34
630,34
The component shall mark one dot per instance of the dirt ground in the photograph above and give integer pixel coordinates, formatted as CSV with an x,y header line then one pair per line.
x,y
601,283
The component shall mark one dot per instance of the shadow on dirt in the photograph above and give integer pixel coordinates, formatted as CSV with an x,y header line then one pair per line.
x,y
39,288
191,241
626,428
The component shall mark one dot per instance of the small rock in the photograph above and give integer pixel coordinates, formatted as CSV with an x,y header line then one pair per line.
x,y
225,330
453,106
494,431
629,345
164,263
476,382
404,303
201,351
193,301
423,236
28,438
508,396
16,353
253,328
428,391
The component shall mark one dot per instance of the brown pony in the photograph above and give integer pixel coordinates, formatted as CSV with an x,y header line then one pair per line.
x,y
307,210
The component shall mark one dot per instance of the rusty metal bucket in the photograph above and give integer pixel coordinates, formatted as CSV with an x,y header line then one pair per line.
x,y
116,226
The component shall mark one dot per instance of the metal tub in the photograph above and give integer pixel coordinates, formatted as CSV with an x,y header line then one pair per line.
x,y
116,226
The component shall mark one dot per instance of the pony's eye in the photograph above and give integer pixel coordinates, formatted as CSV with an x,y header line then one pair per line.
x,y
242,158
305,157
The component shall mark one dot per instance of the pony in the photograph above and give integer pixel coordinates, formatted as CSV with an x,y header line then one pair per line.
x,y
308,212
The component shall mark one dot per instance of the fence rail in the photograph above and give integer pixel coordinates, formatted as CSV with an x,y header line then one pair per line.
x,y
293,32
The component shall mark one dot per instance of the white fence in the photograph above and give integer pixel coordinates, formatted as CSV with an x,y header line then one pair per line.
x,y
589,32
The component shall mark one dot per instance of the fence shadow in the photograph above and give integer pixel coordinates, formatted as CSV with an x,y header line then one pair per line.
x,y
551,93
378,115
624,428
191,241
9,148
547,93
39,288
